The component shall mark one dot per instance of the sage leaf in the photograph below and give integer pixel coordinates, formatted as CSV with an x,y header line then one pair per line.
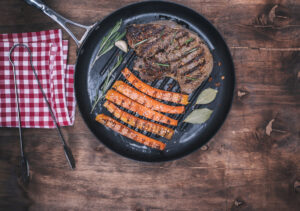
x,y
199,116
207,96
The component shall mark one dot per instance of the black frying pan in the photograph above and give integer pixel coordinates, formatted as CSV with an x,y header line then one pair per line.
x,y
187,137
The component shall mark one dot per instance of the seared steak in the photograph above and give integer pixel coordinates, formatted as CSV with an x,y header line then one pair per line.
x,y
165,48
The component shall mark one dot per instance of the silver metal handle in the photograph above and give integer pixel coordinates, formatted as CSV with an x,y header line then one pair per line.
x,y
25,173
67,150
61,20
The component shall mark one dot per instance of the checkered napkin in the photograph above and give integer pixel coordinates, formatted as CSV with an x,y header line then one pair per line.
x,y
49,53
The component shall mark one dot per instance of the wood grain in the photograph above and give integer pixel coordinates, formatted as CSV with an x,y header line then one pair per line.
x,y
241,168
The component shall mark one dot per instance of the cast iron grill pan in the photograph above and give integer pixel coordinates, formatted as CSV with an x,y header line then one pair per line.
x,y
187,137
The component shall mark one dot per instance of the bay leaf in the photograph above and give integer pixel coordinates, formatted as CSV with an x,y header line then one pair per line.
x,y
207,96
199,116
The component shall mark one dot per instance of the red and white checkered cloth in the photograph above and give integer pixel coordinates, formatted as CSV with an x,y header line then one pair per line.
x,y
49,54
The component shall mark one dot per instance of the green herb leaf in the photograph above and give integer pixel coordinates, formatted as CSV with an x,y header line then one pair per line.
x,y
199,116
110,34
161,34
107,80
141,42
163,65
191,78
109,40
207,96
173,38
106,83
105,50
189,40
120,36
190,51
96,102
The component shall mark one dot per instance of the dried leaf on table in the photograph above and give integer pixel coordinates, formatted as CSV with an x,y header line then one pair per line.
x,y
269,127
241,93
272,14
237,203
207,96
297,186
199,116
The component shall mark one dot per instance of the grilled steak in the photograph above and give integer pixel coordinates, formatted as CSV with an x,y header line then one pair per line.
x,y
166,49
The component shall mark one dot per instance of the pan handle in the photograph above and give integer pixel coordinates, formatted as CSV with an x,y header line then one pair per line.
x,y
61,20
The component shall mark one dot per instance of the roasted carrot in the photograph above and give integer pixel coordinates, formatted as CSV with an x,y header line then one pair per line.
x,y
137,122
145,100
129,104
153,92
129,133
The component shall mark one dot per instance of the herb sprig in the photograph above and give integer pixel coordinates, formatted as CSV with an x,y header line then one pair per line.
x,y
106,83
108,41
163,65
190,51
141,42
189,40
191,78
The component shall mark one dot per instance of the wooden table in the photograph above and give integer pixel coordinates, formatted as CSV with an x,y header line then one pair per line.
x,y
246,166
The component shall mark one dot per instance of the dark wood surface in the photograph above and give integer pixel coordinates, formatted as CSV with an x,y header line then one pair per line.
x,y
242,168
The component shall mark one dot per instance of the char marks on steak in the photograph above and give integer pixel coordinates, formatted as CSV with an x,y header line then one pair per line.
x,y
166,49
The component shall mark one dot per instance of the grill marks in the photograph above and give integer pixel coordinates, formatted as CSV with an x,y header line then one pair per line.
x,y
142,33
136,104
154,92
141,110
139,123
145,100
162,43
177,49
132,134
115,98
164,49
